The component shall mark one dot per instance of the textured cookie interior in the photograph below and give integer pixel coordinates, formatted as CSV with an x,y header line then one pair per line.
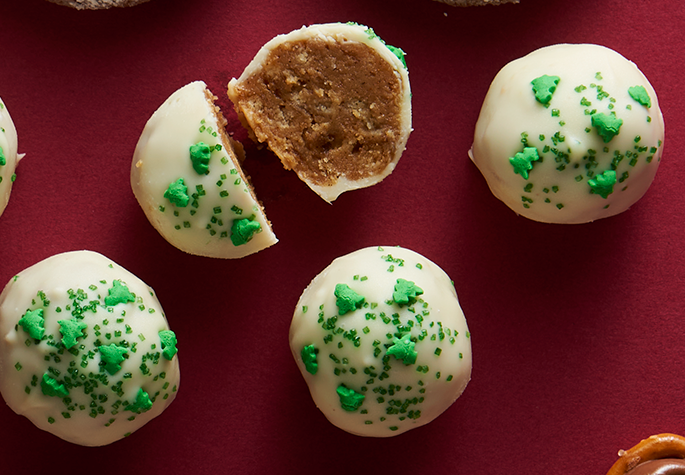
x,y
325,109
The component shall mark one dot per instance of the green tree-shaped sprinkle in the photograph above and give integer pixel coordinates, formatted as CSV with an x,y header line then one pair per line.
x,y
406,292
141,404
51,387
3,160
308,354
200,153
544,87
71,330
603,184
403,349
639,93
347,299
177,193
350,400
169,341
33,323
119,293
523,161
607,125
111,356
243,230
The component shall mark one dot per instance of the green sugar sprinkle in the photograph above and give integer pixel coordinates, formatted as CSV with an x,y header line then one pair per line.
x,y
169,341
3,160
177,193
71,330
243,230
603,184
350,400
200,153
523,161
403,349
118,293
399,53
347,300
406,292
308,354
607,126
544,87
639,93
33,323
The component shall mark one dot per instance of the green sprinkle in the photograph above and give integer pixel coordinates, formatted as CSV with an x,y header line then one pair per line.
x,y
406,292
347,300
71,330
200,154
607,126
544,87
243,230
111,356
118,293
523,161
639,93
168,341
141,404
603,184
52,387
403,350
33,323
308,354
177,194
350,400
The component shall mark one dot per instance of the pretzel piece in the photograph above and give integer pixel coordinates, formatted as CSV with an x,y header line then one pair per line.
x,y
656,447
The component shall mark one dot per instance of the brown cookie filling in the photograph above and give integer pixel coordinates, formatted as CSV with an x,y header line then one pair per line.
x,y
326,110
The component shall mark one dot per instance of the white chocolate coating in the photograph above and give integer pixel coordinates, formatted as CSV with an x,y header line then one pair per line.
x,y
353,348
204,226
8,147
334,34
593,79
74,286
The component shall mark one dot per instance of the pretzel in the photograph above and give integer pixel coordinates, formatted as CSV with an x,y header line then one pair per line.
x,y
660,446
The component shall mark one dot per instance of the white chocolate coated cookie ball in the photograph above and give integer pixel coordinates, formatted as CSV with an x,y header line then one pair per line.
x,y
570,133
8,155
187,179
382,342
85,349
97,4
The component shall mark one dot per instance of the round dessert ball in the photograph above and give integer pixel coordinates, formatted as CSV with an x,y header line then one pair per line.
x,y
97,4
85,349
569,133
382,342
332,101
187,178
8,155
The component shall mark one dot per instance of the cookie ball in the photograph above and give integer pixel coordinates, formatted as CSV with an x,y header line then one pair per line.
x,y
85,349
97,4
187,177
8,155
570,133
332,101
382,342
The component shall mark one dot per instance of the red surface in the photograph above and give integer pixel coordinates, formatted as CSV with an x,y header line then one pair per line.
x,y
577,330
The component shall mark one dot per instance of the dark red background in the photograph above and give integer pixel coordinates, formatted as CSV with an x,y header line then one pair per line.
x,y
577,330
